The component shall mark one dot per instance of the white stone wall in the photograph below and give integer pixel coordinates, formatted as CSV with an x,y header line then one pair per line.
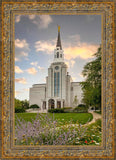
x,y
36,94
76,91
68,90
63,84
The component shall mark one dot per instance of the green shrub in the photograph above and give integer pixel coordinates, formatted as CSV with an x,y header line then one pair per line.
x,y
19,110
56,110
67,108
81,105
81,109
34,106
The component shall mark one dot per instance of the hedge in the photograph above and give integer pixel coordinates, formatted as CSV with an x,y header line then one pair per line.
x,y
19,110
34,106
56,110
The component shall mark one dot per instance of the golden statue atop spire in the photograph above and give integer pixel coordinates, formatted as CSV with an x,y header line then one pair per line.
x,y
58,28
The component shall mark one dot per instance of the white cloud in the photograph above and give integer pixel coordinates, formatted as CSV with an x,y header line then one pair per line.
x,y
34,63
16,59
42,21
21,80
17,18
21,49
32,71
21,43
71,50
40,68
18,70
45,46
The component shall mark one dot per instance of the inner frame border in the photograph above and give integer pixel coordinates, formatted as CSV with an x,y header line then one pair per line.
x,y
113,45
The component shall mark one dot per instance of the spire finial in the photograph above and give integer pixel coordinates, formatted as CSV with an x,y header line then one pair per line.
x,y
58,28
58,40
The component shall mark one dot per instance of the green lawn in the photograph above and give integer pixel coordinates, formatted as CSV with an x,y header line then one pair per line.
x,y
60,117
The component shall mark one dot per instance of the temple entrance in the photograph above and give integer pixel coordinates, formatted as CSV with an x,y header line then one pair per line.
x,y
58,104
51,104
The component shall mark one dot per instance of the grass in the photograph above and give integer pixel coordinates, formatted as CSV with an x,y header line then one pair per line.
x,y
60,117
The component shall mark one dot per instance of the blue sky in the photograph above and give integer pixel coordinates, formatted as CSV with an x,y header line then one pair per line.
x,y
35,41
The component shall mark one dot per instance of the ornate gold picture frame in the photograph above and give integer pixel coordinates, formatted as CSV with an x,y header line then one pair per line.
x,y
11,151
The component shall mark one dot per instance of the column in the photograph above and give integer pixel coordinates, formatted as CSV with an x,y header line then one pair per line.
x,y
46,104
41,105
55,103
61,103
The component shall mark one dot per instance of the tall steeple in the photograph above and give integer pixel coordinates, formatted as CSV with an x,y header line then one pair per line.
x,y
58,52
58,39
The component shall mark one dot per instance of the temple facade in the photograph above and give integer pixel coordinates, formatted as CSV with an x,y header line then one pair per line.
x,y
59,91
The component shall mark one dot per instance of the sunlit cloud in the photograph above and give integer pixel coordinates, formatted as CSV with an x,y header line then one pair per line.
x,y
32,71
21,80
84,51
18,70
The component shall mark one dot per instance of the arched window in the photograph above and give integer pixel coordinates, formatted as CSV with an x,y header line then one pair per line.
x,y
57,54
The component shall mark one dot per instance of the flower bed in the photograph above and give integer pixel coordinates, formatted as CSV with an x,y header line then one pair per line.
x,y
46,131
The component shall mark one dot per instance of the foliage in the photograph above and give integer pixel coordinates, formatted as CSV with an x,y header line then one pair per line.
x,y
18,103
81,109
34,106
21,104
67,107
19,110
92,85
44,130
82,105
25,104
56,110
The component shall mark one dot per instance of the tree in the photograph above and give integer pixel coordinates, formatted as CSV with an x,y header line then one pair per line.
x,y
25,104
22,104
92,85
18,103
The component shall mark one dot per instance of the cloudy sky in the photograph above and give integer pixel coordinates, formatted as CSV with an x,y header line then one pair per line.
x,y
35,41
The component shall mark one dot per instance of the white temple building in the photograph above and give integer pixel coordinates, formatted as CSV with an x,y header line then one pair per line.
x,y
59,91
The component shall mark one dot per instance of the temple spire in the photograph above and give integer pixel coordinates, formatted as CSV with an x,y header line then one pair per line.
x,y
58,39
